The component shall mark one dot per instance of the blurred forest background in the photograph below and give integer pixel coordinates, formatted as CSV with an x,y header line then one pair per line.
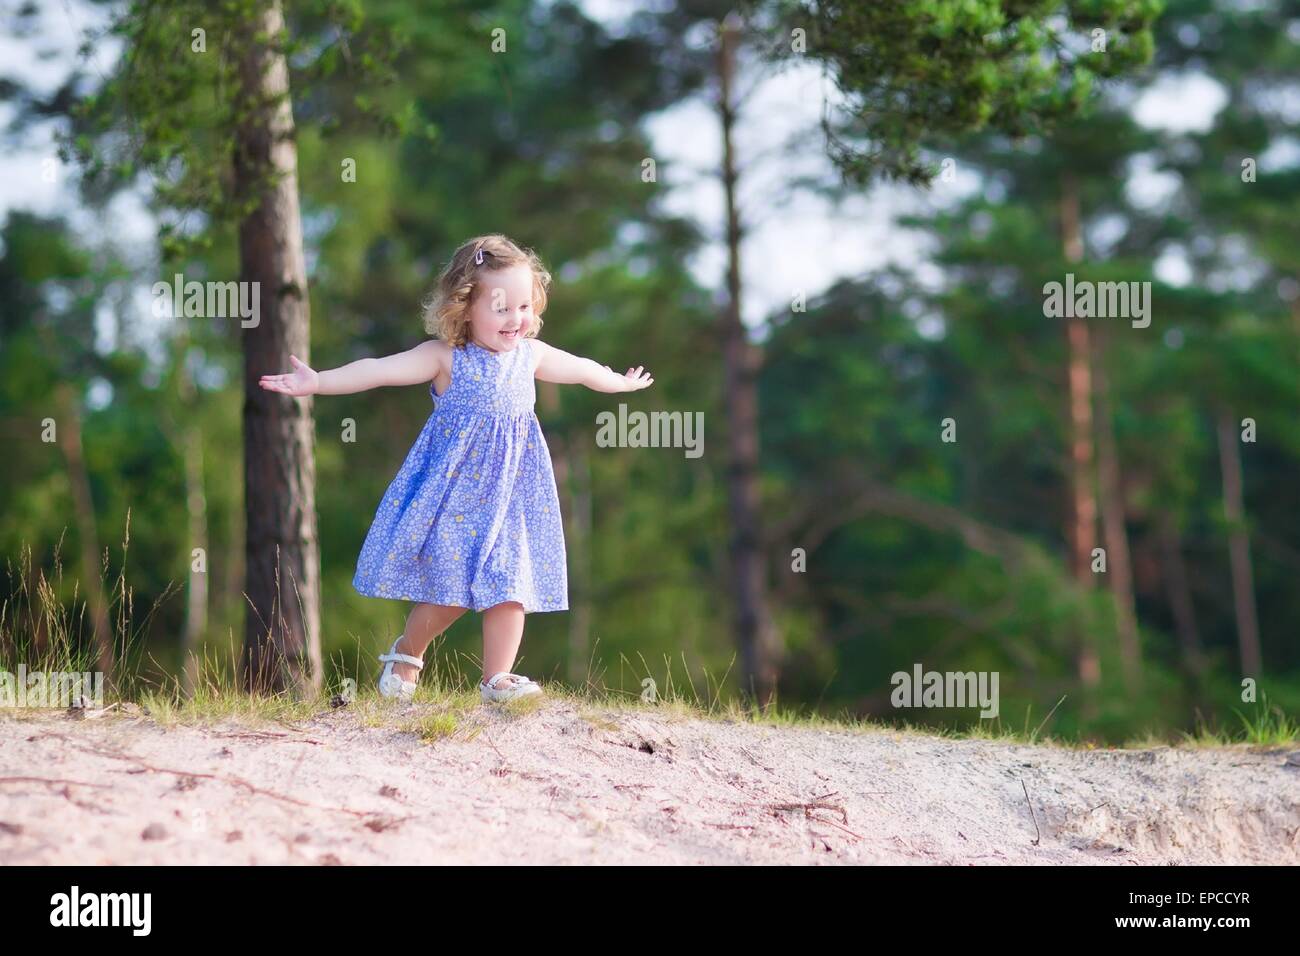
x,y
973,554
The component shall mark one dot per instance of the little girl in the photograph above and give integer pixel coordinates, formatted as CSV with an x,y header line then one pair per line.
x,y
472,520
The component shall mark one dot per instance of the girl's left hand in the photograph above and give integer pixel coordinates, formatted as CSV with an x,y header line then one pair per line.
x,y
635,379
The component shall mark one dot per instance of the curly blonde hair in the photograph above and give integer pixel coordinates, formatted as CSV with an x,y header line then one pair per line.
x,y
446,310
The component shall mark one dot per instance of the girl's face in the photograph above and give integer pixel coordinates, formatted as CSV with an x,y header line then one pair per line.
x,y
503,308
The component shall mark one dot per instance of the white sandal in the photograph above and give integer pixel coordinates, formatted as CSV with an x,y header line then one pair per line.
x,y
390,685
523,687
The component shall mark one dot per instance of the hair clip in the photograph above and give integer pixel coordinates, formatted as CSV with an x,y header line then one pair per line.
x,y
478,257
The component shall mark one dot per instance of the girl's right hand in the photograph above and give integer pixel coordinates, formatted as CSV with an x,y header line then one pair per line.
x,y
303,380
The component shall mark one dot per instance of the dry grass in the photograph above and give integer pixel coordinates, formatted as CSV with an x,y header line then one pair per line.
x,y
37,626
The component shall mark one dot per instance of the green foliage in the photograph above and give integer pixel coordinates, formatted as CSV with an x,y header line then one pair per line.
x,y
915,72
952,555
173,107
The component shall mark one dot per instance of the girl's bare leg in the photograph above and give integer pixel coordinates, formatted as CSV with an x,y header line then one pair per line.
x,y
503,629
423,624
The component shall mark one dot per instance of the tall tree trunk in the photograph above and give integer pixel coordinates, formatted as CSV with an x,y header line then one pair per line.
x,y
570,464
580,562
1119,565
83,509
187,438
755,635
232,603
1295,317
282,625
1179,594
196,605
1243,586
1081,532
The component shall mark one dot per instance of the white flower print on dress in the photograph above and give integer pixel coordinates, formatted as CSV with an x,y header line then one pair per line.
x,y
473,517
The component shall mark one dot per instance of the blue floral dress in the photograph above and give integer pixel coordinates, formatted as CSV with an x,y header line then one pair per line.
x,y
473,517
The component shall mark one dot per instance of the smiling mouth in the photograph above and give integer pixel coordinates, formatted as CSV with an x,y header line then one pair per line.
x,y
509,335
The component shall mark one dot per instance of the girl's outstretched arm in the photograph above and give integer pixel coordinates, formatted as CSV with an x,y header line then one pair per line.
x,y
412,367
564,368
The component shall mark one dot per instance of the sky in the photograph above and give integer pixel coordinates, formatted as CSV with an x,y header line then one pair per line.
x,y
801,246
31,176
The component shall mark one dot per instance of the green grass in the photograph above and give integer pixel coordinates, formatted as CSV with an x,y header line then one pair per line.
x,y
447,699
1269,726
446,702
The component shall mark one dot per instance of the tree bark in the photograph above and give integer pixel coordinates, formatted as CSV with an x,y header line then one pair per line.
x,y
579,487
187,438
83,508
573,480
1243,587
1179,594
196,605
1119,565
755,636
1081,530
282,561
233,562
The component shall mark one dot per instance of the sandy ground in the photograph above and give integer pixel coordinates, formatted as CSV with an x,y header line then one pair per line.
x,y
556,784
